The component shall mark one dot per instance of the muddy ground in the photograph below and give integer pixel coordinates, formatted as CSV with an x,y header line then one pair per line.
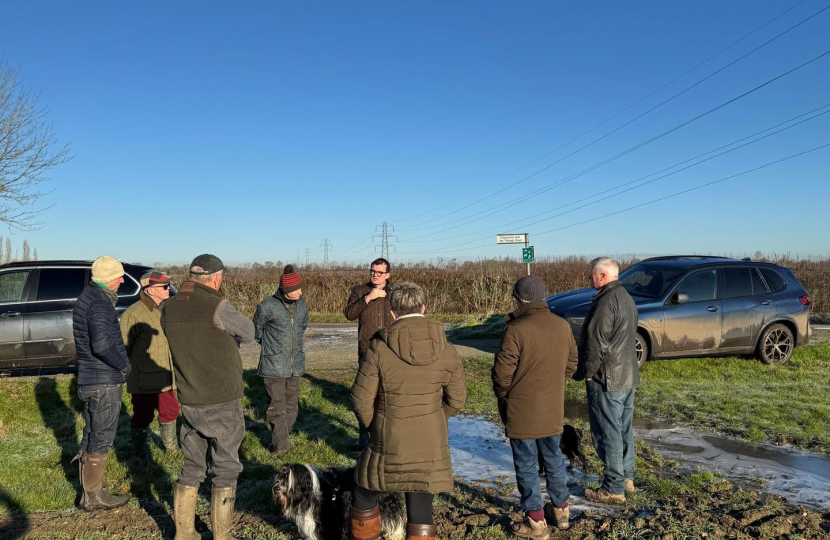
x,y
713,509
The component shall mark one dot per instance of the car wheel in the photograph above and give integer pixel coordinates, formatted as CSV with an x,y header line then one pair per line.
x,y
642,349
776,344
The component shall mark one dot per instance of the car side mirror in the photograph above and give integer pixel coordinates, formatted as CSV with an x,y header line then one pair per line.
x,y
680,298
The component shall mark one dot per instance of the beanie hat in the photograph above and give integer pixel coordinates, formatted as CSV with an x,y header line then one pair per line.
x,y
290,280
529,289
106,269
153,278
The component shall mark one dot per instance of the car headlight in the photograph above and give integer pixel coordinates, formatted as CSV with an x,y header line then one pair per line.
x,y
576,321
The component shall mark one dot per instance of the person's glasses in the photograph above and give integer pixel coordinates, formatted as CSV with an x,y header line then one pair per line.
x,y
165,286
376,273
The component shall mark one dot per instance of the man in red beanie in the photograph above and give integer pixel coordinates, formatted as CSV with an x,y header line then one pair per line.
x,y
280,322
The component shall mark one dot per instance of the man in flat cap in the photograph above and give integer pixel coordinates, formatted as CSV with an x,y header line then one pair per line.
x,y
151,383
204,331
103,366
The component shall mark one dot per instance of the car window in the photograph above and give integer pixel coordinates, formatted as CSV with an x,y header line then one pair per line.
x,y
758,286
646,279
129,287
738,282
776,283
60,283
700,285
12,285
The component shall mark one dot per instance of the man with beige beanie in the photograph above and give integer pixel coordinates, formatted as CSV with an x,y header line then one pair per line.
x,y
103,367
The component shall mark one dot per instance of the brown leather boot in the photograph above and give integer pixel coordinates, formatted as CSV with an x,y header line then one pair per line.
x,y
184,512
93,467
416,531
365,523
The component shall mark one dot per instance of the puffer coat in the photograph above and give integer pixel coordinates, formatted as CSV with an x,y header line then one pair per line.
x,y
411,380
102,358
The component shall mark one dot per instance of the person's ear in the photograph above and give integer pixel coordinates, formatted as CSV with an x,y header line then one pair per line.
x,y
423,309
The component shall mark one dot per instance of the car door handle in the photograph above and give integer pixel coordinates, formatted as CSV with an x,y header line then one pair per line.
x,y
712,308
766,302
10,314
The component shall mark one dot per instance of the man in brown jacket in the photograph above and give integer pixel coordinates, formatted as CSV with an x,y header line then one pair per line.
x,y
410,381
151,381
369,306
538,352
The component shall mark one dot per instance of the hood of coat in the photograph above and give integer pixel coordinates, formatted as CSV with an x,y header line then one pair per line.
x,y
415,340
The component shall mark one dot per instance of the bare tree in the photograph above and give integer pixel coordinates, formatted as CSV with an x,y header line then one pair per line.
x,y
27,152
35,255
8,256
27,251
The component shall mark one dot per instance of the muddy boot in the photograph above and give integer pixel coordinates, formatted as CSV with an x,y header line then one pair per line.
x,y
629,486
139,439
558,516
365,523
221,512
92,481
168,436
604,497
184,512
528,528
416,531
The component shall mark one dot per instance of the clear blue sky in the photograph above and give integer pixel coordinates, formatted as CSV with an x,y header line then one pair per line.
x,y
254,130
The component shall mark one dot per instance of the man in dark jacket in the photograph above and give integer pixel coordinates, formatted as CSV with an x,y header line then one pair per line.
x,y
103,367
369,306
537,354
608,363
280,322
204,331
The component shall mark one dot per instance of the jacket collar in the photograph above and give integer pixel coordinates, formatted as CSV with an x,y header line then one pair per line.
x,y
147,301
386,285
190,286
524,309
605,288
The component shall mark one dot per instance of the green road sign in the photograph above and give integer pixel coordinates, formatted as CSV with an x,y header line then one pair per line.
x,y
527,254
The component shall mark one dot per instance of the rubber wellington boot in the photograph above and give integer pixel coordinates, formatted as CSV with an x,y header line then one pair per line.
x,y
139,439
168,435
221,512
365,523
184,512
92,480
417,531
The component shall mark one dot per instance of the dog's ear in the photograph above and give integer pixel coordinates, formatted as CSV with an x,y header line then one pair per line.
x,y
578,433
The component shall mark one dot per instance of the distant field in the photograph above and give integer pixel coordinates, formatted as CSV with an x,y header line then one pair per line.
x,y
459,288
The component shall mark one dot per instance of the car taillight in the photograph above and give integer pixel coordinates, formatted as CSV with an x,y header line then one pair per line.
x,y
804,299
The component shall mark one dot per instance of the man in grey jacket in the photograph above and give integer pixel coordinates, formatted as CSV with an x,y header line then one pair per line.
x,y
608,363
280,322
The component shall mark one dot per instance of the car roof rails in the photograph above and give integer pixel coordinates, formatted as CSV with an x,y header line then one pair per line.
x,y
674,257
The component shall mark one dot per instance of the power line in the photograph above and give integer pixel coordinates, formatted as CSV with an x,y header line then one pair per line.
x,y
640,205
524,221
384,239
678,94
503,206
307,255
325,247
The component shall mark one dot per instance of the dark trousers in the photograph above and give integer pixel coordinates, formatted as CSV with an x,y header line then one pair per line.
x,y
418,504
211,434
611,415
282,411
526,460
146,405
102,404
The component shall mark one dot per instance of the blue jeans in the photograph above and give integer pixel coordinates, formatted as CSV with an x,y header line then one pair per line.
x,y
526,463
611,415
102,404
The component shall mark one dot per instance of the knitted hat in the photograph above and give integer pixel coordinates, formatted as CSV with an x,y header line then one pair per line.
x,y
290,280
106,269
153,278
206,264
529,289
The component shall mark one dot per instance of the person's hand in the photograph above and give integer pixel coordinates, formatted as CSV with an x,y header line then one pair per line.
x,y
376,293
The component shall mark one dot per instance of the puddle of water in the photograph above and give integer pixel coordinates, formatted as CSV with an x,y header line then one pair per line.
x,y
481,453
320,337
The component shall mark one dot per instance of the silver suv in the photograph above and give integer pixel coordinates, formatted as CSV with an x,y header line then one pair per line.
x,y
36,301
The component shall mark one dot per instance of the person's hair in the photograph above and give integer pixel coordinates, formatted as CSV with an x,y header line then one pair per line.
x,y
608,264
381,260
406,298
202,278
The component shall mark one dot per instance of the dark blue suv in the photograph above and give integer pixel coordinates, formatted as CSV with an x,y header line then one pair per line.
x,y
704,306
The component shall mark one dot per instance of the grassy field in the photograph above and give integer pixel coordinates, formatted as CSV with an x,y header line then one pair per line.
x,y
41,425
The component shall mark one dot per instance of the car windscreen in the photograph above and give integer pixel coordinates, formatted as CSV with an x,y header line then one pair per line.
x,y
652,280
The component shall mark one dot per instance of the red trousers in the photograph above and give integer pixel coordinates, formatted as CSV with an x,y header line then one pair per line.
x,y
145,406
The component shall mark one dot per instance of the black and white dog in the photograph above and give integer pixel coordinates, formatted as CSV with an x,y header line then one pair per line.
x,y
318,503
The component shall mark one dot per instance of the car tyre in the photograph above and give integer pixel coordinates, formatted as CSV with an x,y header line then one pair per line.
x,y
641,344
776,344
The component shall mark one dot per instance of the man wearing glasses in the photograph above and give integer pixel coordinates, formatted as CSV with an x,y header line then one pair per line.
x,y
151,381
369,306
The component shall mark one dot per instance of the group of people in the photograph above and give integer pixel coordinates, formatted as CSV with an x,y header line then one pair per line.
x,y
180,355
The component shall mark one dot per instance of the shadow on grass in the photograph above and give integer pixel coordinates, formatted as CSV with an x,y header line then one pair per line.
x,y
60,418
18,524
482,335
